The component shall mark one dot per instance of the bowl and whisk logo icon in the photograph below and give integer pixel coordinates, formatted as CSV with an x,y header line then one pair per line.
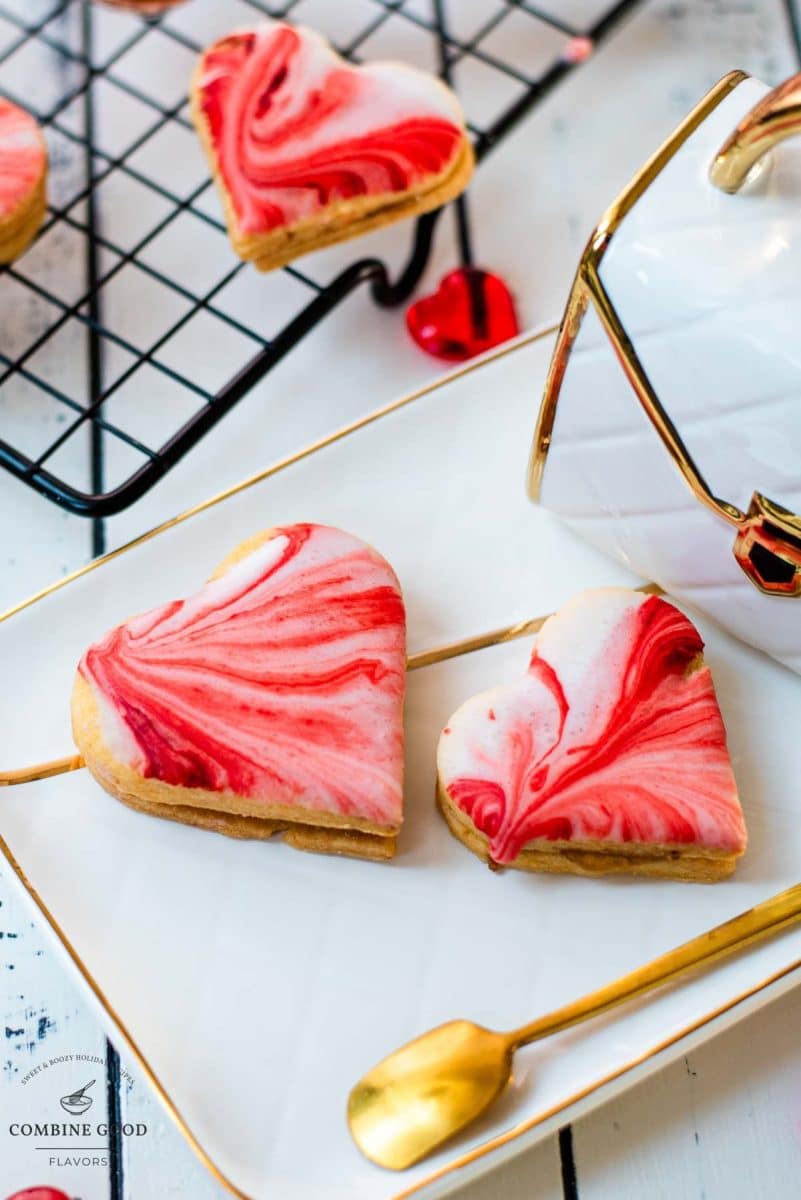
x,y
78,1102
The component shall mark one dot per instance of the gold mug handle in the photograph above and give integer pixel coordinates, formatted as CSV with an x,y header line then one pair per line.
x,y
777,116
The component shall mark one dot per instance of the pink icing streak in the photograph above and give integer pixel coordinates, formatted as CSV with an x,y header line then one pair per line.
x,y
294,128
607,737
22,156
281,681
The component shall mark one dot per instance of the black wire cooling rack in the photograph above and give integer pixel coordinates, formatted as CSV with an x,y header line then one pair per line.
x,y
101,311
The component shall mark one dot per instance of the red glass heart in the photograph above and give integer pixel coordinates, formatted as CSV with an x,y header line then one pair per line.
x,y
39,1193
471,311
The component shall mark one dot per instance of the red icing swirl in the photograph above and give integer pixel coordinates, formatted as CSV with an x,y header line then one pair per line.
x,y
22,157
608,738
281,681
294,128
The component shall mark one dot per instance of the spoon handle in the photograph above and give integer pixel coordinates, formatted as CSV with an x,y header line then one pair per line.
x,y
759,922
58,766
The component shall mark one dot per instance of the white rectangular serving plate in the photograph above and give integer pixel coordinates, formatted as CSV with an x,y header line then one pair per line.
x,y
255,984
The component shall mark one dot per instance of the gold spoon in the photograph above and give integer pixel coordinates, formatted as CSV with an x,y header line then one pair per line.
x,y
430,1089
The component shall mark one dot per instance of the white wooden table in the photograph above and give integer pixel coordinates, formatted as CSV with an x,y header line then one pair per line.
x,y
724,1123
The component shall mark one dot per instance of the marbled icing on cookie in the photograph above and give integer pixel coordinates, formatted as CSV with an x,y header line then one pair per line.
x,y
613,736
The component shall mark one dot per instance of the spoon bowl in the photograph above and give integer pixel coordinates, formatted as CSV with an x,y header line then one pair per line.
x,y
427,1091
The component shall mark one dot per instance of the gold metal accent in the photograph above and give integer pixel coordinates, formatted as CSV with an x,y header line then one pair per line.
x,y
420,1096
587,283
114,1021
568,331
481,641
777,116
656,413
776,548
768,547
58,766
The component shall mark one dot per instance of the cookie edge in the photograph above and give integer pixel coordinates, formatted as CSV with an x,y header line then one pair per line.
x,y
655,860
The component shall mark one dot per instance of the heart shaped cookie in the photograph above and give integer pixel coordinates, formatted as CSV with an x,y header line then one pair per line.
x,y
608,756
308,150
23,180
269,702
471,311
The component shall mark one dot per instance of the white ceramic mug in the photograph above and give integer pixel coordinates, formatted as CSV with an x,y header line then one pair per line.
x,y
670,430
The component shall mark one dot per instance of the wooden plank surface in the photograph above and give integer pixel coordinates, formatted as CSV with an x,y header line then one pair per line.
x,y
724,1123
